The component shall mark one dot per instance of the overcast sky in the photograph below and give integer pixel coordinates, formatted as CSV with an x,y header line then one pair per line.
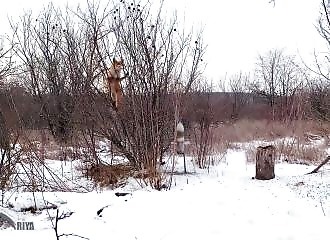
x,y
236,31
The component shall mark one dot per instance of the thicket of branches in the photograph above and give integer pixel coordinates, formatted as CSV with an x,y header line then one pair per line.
x,y
61,59
320,96
64,56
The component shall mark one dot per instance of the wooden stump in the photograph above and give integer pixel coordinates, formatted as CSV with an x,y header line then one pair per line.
x,y
265,162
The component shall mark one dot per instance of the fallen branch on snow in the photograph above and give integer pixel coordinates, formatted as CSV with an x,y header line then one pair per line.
x,y
321,165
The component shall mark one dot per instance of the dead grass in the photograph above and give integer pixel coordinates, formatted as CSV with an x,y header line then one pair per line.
x,y
292,140
295,142
44,144
116,175
291,151
249,130
109,175
296,151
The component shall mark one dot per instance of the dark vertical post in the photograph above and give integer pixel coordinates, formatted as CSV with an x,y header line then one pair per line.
x,y
265,162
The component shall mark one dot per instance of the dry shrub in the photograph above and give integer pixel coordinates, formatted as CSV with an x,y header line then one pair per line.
x,y
240,131
300,128
295,151
110,175
294,146
249,130
152,177
44,144
250,153
206,146
290,150
116,175
41,141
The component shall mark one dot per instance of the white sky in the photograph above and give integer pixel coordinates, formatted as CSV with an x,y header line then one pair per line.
x,y
236,31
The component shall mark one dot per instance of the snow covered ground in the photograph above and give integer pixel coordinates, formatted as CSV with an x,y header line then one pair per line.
x,y
223,202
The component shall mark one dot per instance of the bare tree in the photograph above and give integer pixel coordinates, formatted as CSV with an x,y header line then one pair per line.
x,y
40,47
65,57
239,88
162,62
4,69
7,143
278,77
6,56
319,97
320,94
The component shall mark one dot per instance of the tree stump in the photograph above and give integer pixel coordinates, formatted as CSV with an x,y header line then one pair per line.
x,y
265,162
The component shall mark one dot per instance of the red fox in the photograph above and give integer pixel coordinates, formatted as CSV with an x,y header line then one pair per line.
x,y
113,78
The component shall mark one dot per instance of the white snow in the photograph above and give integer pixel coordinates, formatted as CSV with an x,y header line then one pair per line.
x,y
223,202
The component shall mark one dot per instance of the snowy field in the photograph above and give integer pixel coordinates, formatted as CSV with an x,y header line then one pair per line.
x,y
222,202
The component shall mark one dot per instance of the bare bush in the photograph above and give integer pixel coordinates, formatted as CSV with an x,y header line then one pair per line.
x,y
295,151
202,119
8,136
291,139
6,59
64,69
7,160
156,57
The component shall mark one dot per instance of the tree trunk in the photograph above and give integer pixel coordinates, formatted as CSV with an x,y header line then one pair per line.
x,y
4,135
265,162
